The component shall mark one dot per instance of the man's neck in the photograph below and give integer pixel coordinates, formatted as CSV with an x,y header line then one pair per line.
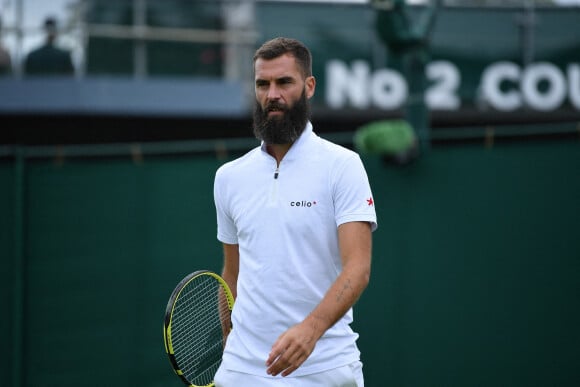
x,y
278,151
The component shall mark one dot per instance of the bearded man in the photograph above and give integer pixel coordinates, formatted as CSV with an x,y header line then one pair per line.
x,y
295,217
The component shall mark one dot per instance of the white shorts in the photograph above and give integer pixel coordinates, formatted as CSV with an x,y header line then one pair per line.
x,y
347,376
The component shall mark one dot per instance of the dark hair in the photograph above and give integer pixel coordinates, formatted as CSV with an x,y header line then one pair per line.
x,y
279,46
50,25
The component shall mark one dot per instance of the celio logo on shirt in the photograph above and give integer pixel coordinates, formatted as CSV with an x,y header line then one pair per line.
x,y
303,203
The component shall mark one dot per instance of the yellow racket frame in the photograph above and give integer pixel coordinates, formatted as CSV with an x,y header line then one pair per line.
x,y
169,316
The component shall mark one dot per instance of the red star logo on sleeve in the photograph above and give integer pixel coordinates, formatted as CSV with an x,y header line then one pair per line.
x,y
370,201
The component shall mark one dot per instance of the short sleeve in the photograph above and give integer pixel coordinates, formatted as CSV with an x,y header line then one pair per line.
x,y
226,228
353,198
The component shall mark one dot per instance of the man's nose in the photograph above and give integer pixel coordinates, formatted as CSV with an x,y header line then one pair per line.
x,y
273,92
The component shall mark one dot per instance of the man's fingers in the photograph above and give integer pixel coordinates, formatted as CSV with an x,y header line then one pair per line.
x,y
287,362
290,350
277,350
289,370
293,364
277,363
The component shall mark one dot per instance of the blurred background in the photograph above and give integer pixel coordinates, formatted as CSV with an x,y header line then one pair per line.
x,y
115,115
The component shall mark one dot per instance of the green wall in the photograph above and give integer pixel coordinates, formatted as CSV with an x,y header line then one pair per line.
x,y
475,271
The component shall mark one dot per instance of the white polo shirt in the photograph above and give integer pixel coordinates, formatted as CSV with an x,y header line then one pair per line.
x,y
285,222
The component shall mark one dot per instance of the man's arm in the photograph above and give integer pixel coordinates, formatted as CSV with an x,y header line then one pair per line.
x,y
231,266
230,275
295,345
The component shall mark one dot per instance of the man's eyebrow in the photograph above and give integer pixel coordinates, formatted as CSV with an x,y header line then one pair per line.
x,y
283,79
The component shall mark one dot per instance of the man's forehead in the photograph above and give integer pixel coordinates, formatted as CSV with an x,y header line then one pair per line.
x,y
279,67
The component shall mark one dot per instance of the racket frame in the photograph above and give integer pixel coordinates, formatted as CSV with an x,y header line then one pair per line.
x,y
169,316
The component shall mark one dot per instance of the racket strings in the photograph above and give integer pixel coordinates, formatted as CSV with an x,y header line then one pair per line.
x,y
199,323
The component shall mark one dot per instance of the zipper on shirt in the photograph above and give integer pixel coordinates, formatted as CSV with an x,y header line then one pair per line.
x,y
273,200
274,190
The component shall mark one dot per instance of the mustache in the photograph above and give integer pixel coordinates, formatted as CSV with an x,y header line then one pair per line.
x,y
275,106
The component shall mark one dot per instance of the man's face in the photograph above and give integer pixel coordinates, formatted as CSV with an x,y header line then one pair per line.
x,y
282,109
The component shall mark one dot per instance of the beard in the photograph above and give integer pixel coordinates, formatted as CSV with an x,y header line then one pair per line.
x,y
283,129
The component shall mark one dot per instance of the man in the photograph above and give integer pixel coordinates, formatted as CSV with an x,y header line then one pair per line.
x,y
295,217
49,59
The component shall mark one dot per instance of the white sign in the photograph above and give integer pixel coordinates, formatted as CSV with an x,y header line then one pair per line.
x,y
504,86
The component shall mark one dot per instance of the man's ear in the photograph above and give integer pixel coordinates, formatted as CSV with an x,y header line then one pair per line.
x,y
310,86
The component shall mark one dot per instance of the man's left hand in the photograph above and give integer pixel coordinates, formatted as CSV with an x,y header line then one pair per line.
x,y
291,349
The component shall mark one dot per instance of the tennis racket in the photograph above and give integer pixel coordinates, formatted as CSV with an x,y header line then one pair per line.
x,y
197,322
